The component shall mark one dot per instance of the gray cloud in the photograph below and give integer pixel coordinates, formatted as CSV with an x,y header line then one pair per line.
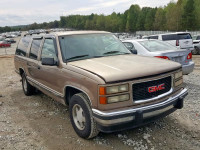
x,y
20,12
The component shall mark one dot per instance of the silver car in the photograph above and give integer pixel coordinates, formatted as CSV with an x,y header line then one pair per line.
x,y
160,49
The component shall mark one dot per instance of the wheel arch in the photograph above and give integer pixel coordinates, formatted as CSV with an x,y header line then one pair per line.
x,y
69,91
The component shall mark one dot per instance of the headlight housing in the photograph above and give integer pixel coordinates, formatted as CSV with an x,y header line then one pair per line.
x,y
107,94
179,82
120,98
113,89
178,75
178,78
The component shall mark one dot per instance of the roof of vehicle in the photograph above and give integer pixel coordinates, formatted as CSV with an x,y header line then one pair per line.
x,y
173,33
63,33
138,40
77,32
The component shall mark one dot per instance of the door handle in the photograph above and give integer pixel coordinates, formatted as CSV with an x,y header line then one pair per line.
x,y
38,67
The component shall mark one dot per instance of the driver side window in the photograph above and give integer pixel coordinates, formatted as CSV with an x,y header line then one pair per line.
x,y
48,50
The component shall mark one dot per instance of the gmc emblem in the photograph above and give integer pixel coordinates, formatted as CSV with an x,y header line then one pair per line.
x,y
156,88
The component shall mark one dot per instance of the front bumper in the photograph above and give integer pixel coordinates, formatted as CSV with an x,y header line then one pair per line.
x,y
187,69
131,118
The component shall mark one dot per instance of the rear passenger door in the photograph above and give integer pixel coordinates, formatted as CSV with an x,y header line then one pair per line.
x,y
32,64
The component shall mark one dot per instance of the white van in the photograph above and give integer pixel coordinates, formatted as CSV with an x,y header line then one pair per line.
x,y
182,40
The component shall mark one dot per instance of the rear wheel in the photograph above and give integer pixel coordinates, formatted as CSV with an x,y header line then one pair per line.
x,y
27,87
195,51
81,116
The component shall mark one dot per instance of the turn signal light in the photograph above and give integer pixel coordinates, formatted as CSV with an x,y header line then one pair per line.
x,y
163,57
103,100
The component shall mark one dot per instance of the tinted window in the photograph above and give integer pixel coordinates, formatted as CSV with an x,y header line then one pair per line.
x,y
48,49
153,37
184,36
35,48
129,45
154,45
23,46
169,37
198,37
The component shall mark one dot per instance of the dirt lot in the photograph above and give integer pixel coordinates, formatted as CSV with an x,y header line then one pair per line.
x,y
38,122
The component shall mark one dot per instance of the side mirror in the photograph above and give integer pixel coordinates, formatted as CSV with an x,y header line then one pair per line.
x,y
49,62
134,51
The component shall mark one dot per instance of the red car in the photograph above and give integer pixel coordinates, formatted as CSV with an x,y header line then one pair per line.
x,y
4,44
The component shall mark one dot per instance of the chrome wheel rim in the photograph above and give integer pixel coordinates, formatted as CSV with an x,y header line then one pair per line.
x,y
78,117
25,84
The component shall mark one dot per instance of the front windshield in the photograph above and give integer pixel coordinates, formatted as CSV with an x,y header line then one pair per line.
x,y
84,46
154,46
194,37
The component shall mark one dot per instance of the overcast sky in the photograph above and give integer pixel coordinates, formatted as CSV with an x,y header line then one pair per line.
x,y
22,12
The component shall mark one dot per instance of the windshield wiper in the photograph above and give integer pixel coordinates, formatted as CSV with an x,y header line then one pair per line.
x,y
113,52
77,57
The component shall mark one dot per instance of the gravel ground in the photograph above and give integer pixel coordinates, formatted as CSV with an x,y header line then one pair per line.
x,y
38,122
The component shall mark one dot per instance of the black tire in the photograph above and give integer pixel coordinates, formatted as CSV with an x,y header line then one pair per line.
x,y
27,87
195,51
198,49
89,127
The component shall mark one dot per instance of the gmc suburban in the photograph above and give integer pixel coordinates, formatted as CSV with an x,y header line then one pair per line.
x,y
106,87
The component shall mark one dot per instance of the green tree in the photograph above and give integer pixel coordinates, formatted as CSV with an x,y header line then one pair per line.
x,y
189,20
149,20
160,19
132,18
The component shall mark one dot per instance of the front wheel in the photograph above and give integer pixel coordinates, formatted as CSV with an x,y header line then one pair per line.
x,y
81,116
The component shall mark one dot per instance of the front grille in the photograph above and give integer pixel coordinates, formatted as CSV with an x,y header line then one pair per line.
x,y
141,90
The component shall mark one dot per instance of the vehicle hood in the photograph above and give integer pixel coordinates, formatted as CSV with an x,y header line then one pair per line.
x,y
124,67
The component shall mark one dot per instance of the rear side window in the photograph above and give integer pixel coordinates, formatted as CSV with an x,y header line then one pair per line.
x,y
153,37
129,45
198,37
184,36
23,46
169,37
35,48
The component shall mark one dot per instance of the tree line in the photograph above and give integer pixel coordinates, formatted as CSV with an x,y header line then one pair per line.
x,y
176,16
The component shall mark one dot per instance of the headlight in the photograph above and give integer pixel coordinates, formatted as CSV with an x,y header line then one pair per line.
x,y
178,75
115,99
179,82
113,89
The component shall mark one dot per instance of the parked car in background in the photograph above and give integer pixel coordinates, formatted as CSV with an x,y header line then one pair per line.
x,y
4,44
182,40
2,38
160,49
11,36
196,42
10,40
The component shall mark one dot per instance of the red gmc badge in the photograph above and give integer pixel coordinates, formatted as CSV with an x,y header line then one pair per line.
x,y
156,88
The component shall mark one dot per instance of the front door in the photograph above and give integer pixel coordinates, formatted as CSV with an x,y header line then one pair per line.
x,y
50,76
